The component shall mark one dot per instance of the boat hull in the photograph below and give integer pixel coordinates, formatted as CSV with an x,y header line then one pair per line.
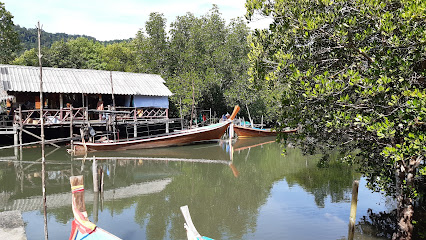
x,y
208,133
245,132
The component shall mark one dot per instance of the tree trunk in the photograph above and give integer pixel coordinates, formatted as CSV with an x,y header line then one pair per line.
x,y
405,208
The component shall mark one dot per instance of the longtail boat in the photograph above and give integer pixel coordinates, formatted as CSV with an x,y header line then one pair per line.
x,y
208,133
246,132
81,227
191,231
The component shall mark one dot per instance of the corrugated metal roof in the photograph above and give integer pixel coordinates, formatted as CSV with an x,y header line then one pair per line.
x,y
3,94
64,80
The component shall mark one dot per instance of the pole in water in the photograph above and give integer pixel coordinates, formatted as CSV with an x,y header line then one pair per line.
x,y
352,217
43,160
95,175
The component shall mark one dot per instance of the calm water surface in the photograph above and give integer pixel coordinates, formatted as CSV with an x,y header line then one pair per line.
x,y
261,195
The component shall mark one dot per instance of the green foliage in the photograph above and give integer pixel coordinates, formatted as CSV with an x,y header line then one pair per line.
x,y
119,57
80,53
352,72
202,52
9,41
213,52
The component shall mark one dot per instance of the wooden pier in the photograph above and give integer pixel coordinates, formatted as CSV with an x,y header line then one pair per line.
x,y
104,122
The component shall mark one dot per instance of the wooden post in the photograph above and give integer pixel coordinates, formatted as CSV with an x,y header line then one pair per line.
x,y
21,125
71,127
15,139
167,126
261,123
193,102
43,160
180,111
231,132
112,91
108,126
354,202
61,106
95,207
113,107
135,122
95,176
101,179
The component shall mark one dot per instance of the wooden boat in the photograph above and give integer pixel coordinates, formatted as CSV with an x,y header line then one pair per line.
x,y
208,133
246,132
82,228
191,231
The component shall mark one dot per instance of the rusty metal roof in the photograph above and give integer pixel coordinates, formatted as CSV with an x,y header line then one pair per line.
x,y
65,80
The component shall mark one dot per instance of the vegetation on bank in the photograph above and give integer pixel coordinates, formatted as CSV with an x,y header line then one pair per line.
x,y
352,73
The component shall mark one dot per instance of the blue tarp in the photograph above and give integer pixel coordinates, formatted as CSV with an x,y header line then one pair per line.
x,y
148,101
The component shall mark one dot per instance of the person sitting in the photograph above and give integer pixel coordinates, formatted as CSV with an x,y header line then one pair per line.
x,y
100,106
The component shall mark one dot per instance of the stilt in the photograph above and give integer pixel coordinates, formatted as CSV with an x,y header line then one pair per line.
x,y
101,179
95,175
21,125
354,202
71,128
95,207
167,126
15,139
61,106
135,126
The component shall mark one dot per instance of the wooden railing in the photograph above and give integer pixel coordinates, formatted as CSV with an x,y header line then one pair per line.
x,y
142,113
63,116
50,116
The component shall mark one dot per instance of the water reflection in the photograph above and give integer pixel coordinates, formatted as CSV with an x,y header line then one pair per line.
x,y
265,195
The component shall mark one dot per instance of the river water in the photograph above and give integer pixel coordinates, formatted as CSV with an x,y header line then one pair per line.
x,y
255,192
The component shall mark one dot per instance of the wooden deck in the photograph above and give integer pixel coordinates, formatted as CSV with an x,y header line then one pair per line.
x,y
79,116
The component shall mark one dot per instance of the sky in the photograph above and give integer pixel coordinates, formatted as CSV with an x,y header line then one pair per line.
x,y
113,19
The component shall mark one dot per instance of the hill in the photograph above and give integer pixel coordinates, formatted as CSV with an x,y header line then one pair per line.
x,y
28,38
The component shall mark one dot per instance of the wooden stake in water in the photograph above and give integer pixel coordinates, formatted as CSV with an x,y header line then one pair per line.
x,y
95,175
43,160
352,217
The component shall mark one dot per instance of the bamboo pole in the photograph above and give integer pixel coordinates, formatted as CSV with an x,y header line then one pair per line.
x,y
352,217
32,134
43,159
